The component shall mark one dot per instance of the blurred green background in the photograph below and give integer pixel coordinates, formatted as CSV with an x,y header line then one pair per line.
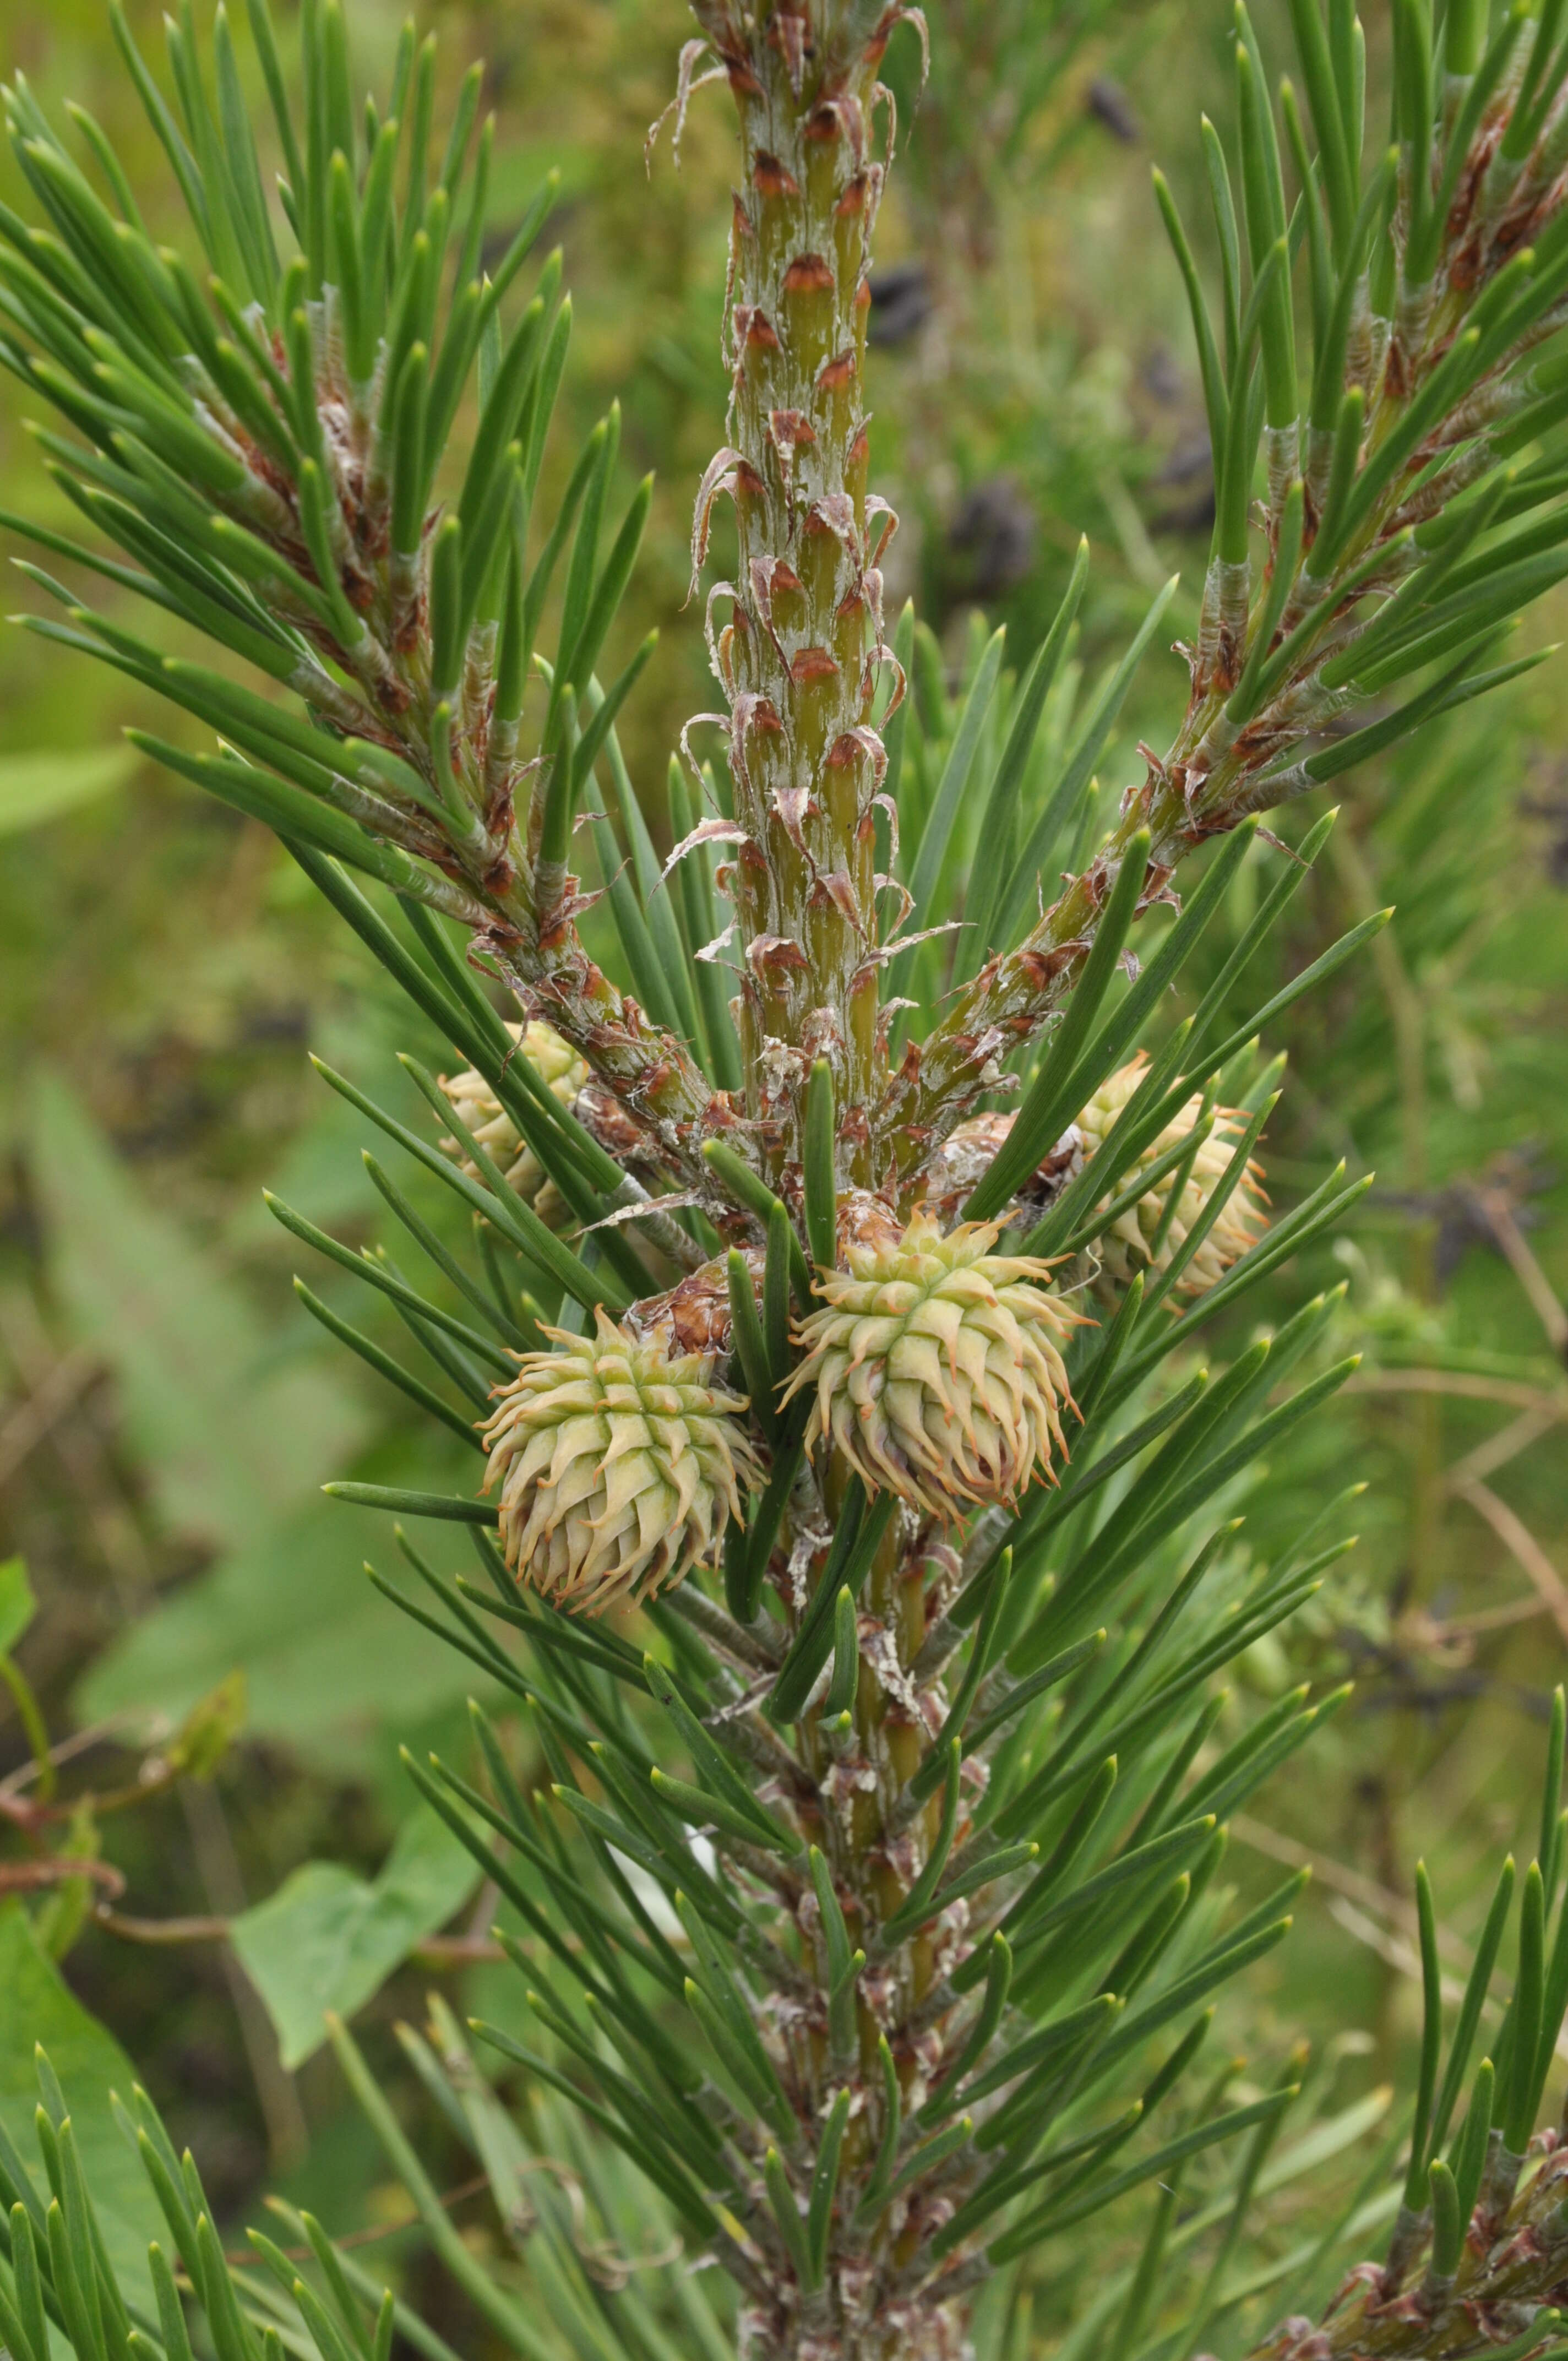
x,y
222,1687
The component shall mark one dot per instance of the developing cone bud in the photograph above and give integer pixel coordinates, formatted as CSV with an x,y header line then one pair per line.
x,y
479,1111
619,1465
1127,1247
937,1366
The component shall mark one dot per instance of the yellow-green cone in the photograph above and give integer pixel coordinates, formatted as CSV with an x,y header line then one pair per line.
x,y
479,1111
1127,1247
618,1465
937,1366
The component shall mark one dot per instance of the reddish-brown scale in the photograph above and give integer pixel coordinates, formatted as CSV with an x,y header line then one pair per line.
x,y
808,274
770,179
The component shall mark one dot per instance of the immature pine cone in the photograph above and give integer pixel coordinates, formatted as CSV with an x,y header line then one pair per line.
x,y
619,1465
937,1368
477,1107
1124,1249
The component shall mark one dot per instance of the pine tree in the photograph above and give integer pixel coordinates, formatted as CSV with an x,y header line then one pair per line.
x,y
847,1531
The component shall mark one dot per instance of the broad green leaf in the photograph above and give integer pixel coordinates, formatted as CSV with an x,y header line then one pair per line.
x,y
328,1941
329,1665
38,2007
231,1441
39,787
17,1605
